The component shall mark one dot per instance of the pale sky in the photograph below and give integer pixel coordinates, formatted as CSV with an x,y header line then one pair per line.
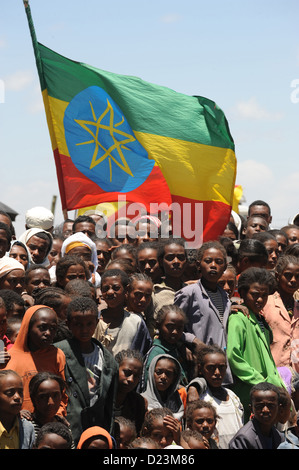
x,y
244,55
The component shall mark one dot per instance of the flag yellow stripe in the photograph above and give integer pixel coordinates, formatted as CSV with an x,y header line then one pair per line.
x,y
192,170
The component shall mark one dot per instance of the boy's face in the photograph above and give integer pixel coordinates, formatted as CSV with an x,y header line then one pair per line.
x,y
148,263
38,248
174,260
76,271
214,369
82,325
255,225
256,297
172,327
37,279
53,441
203,421
265,406
273,253
212,265
293,235
139,296
11,394
113,291
47,399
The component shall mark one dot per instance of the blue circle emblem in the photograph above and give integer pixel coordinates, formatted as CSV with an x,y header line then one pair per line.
x,y
102,144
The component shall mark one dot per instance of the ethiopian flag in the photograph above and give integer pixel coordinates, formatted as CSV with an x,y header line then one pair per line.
x,y
119,135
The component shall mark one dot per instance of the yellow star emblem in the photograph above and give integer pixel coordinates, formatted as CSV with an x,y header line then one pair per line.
x,y
94,127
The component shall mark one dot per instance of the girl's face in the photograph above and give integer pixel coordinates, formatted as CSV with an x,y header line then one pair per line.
x,y
288,280
228,282
43,327
74,272
273,253
174,260
126,436
47,399
160,433
172,327
11,394
148,263
55,252
20,254
139,296
113,291
214,369
212,265
203,421
256,297
164,375
282,242
129,374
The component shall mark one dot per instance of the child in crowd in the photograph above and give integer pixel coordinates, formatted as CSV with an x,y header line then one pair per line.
x,y
129,403
206,304
70,267
95,437
148,255
14,303
36,277
139,294
201,416
46,391
249,337
191,439
34,352
103,246
127,252
20,252
271,245
161,426
162,385
173,261
13,328
260,431
91,372
281,238
127,432
281,312
15,432
12,274
170,323
121,328
54,436
228,280
212,365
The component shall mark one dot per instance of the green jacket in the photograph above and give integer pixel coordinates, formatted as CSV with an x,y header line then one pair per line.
x,y
249,356
79,412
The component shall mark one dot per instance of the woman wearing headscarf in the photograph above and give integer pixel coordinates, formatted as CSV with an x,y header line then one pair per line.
x,y
39,243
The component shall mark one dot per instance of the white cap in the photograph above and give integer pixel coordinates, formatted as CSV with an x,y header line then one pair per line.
x,y
39,217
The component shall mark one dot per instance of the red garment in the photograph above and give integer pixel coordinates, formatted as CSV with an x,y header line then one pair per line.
x,y
27,363
7,343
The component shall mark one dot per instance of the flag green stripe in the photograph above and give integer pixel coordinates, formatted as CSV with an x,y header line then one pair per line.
x,y
148,108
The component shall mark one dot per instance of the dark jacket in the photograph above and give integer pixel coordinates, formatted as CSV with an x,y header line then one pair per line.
x,y
250,437
80,414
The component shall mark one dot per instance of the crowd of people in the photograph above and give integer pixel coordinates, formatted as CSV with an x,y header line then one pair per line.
x,y
133,340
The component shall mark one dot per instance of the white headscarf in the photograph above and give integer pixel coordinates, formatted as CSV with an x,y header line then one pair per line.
x,y
83,239
30,233
8,264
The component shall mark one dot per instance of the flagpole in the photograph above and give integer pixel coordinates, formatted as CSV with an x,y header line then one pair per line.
x,y
34,42
38,60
